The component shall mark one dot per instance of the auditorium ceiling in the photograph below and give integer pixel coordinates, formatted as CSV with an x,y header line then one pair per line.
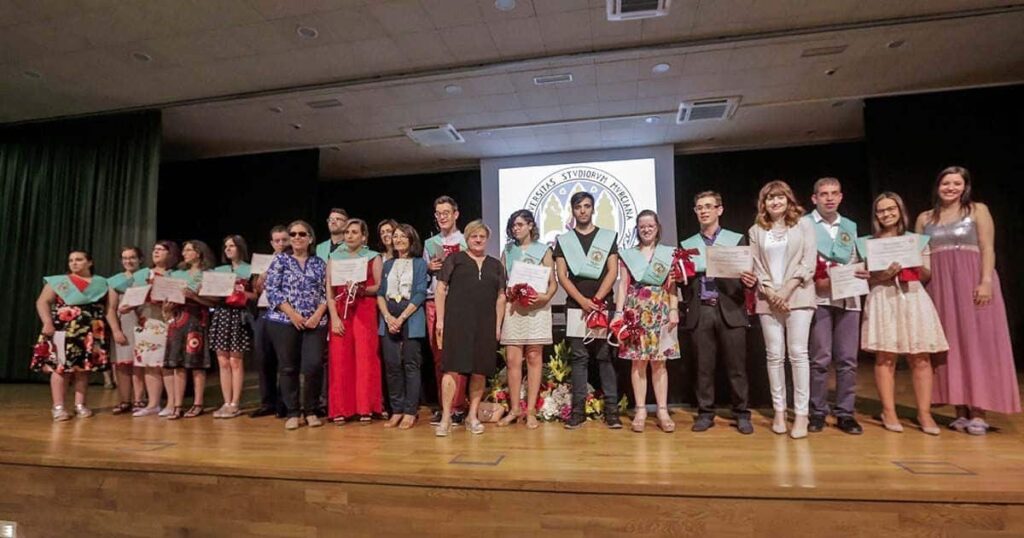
x,y
347,76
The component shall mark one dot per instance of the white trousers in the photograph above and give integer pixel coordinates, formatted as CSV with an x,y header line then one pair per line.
x,y
789,331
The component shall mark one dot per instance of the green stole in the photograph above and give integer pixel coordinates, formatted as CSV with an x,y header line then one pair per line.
x,y
862,244
840,249
725,238
534,254
244,270
344,254
651,273
120,282
141,277
588,264
323,250
95,291
193,280
434,245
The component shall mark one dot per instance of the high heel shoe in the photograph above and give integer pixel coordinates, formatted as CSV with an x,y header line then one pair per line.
x,y
408,421
509,419
639,420
442,429
531,422
799,427
665,424
930,430
894,427
779,423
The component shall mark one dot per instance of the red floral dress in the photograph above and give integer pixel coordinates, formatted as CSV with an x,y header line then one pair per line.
x,y
84,332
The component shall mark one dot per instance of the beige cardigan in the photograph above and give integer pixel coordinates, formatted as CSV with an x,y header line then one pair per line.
x,y
801,259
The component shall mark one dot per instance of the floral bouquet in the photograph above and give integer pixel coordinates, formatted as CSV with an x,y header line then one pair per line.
x,y
521,294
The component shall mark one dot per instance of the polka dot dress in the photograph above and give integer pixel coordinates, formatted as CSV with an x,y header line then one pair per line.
x,y
230,331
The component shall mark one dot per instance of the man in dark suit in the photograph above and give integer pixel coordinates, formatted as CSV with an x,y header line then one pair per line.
x,y
716,317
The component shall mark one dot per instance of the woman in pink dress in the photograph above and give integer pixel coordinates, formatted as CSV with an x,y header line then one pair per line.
x,y
978,374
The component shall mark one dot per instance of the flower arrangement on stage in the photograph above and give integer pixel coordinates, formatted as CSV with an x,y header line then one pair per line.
x,y
554,403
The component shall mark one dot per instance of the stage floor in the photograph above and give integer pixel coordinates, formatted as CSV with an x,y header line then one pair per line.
x,y
720,463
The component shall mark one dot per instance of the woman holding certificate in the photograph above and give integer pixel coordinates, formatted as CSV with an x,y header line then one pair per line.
x,y
470,300
187,349
150,347
230,329
130,380
527,326
295,322
977,374
75,309
353,368
646,317
899,317
785,254
402,326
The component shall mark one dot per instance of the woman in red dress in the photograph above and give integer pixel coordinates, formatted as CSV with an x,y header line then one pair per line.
x,y
353,369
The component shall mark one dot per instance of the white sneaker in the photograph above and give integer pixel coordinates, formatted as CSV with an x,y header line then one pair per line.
x,y
59,413
146,411
166,412
82,411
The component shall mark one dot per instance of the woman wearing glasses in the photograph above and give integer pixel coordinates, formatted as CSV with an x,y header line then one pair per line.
x,y
296,324
130,379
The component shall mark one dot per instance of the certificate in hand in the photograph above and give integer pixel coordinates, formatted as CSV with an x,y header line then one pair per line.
x,y
260,263
351,271
263,302
537,276
167,289
728,262
134,296
845,284
885,251
217,284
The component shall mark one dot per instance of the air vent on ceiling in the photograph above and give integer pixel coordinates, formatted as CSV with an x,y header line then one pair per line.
x,y
823,51
323,103
544,80
434,135
627,10
707,109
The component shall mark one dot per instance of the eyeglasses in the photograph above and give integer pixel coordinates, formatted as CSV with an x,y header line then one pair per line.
x,y
706,207
298,234
886,210
335,219
443,214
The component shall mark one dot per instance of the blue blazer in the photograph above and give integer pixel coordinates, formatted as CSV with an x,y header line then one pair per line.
x,y
417,322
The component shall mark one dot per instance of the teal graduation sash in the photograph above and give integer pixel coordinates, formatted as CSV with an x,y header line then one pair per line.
x,y
726,238
840,249
534,254
68,292
244,270
193,281
323,250
434,245
651,273
120,282
344,254
588,264
862,243
141,277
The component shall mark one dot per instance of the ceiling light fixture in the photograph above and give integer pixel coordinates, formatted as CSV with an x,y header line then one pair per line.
x,y
838,104
504,5
651,120
32,74
335,148
484,133
661,68
140,56
307,32
296,126
831,71
276,109
896,43
811,132
453,89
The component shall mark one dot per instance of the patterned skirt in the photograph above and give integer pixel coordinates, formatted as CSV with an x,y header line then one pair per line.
x,y
901,319
656,343
230,330
80,344
149,346
186,338
522,327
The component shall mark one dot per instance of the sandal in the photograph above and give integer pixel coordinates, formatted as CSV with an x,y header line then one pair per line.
x,y
509,419
365,419
531,422
176,413
408,421
393,421
194,411
639,419
122,407
665,424
138,404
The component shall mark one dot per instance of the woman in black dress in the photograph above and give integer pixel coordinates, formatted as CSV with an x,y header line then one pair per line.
x,y
470,302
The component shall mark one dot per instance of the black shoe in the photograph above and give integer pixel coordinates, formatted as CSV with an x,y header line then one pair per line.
x,y
435,418
704,422
458,417
262,412
849,425
613,421
744,425
575,423
816,423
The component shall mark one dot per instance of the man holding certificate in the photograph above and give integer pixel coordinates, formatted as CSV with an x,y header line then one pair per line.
x,y
836,324
270,396
716,316
588,264
436,248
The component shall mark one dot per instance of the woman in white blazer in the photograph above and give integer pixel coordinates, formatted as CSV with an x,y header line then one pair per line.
x,y
784,250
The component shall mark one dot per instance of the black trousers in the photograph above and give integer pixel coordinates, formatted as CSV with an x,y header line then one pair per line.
x,y
402,359
581,356
266,364
712,339
299,351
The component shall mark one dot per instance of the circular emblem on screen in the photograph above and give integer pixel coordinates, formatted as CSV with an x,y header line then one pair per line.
x,y
614,206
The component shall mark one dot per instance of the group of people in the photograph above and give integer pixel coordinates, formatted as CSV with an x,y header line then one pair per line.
x,y
946,316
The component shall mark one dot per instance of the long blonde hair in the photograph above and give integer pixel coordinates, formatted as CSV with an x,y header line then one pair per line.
x,y
793,209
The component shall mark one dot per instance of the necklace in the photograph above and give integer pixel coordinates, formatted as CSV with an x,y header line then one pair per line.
x,y
778,232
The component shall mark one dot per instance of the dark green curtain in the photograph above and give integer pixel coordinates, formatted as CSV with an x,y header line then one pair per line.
x,y
88,184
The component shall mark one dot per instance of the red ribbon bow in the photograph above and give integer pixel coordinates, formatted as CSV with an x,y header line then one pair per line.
x,y
451,249
682,266
821,269
347,294
598,319
521,294
910,274
627,328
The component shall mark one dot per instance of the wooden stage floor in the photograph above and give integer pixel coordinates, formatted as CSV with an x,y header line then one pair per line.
x,y
123,476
